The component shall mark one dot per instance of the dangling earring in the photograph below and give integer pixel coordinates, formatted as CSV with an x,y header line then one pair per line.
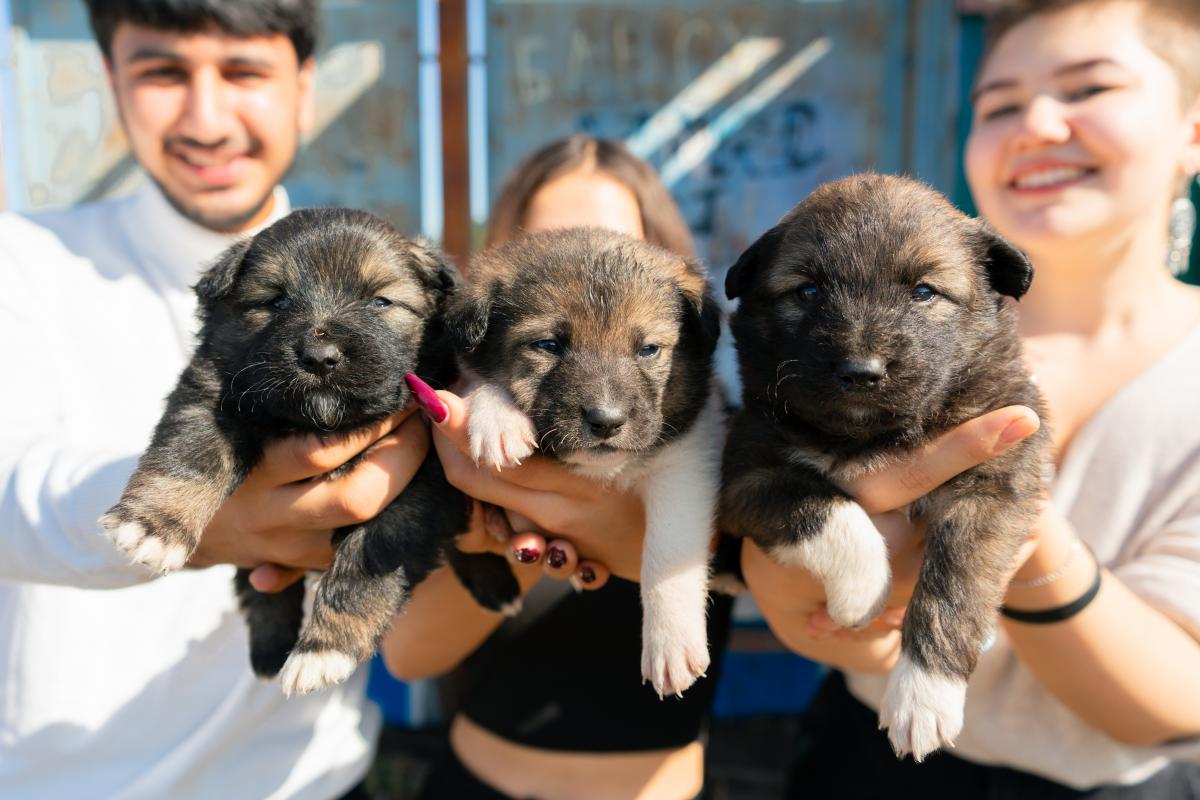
x,y
1179,234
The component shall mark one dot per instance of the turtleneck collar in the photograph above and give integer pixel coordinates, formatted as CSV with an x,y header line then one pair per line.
x,y
177,246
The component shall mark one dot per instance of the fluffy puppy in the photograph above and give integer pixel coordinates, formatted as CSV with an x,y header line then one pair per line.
x,y
872,319
308,327
597,349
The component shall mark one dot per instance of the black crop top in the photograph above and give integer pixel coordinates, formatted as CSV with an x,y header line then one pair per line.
x,y
571,679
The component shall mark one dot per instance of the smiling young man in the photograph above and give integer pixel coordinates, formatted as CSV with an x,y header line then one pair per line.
x,y
114,683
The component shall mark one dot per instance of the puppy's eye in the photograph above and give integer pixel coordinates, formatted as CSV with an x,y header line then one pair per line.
x,y
381,302
809,293
649,351
549,345
923,293
281,303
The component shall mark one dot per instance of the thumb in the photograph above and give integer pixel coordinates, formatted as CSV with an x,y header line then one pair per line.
x,y
955,451
272,578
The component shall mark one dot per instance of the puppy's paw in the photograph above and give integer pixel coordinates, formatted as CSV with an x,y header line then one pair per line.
x,y
850,556
157,552
501,435
310,671
674,640
922,711
671,666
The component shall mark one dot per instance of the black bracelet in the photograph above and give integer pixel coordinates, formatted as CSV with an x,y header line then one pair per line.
x,y
1059,613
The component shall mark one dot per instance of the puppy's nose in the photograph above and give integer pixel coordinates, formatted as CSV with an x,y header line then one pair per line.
x,y
860,373
604,421
320,357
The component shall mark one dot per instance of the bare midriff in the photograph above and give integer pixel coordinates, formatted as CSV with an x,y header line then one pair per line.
x,y
521,771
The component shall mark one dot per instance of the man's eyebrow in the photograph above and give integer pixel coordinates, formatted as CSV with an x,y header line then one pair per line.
x,y
1008,83
151,53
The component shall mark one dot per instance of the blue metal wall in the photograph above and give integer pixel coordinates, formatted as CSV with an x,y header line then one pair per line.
x,y
743,106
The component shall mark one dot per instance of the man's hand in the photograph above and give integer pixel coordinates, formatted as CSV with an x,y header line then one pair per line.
x,y
282,517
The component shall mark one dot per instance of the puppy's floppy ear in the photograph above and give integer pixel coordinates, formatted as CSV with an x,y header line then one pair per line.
x,y
435,269
741,275
218,279
702,315
1009,271
468,314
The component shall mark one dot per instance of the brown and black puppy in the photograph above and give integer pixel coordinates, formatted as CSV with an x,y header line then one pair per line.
x,y
597,349
873,318
307,327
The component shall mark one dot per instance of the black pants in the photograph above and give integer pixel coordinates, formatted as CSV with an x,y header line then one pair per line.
x,y
850,757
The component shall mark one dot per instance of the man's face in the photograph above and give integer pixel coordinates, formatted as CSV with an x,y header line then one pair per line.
x,y
214,119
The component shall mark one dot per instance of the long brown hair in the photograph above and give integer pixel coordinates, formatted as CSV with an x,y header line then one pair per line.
x,y
662,221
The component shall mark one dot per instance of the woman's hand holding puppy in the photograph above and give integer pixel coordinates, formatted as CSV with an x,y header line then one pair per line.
x,y
792,600
604,527
281,519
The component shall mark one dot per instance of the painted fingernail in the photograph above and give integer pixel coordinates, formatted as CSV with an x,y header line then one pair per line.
x,y
527,555
556,557
587,574
427,398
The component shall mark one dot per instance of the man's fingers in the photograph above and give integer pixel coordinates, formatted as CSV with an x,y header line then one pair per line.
x,y
964,447
299,457
365,490
271,578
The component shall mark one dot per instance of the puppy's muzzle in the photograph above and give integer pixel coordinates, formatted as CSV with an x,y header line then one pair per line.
x,y
319,356
860,374
604,422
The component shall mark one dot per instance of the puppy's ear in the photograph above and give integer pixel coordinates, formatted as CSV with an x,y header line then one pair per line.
x,y
435,269
741,276
1009,271
468,314
703,316
218,279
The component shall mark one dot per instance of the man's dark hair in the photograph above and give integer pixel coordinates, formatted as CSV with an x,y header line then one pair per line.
x,y
297,19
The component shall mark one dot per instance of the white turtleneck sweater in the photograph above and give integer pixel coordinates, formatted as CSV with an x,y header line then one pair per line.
x,y
113,684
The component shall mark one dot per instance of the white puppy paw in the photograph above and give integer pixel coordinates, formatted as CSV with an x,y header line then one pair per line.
x,y
142,547
850,557
922,711
308,672
674,646
501,435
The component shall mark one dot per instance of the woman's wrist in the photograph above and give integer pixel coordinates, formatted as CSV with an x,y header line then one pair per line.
x,y
1058,571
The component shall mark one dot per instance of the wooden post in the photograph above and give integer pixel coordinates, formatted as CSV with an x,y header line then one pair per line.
x,y
456,186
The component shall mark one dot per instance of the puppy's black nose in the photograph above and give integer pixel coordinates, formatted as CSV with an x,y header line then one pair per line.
x,y
860,373
604,421
320,357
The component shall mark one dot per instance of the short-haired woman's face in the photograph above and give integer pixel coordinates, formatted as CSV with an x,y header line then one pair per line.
x,y
584,198
1078,127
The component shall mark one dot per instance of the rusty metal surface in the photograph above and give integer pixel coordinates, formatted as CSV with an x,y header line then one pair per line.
x,y
816,90
363,153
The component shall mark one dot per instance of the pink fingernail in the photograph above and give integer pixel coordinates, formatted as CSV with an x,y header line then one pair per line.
x,y
1018,429
427,398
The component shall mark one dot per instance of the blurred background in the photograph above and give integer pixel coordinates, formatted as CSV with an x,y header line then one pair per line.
x,y
424,107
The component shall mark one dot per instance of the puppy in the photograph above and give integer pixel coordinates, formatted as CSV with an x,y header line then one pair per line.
x,y
597,349
308,327
872,319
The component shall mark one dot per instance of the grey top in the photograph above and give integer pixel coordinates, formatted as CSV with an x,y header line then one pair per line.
x,y
1130,486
